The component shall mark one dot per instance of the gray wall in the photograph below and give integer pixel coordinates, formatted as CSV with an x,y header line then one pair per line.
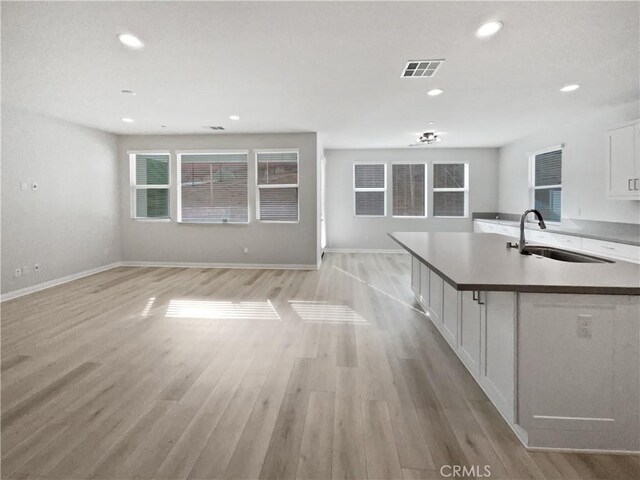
x,y
70,224
345,231
268,243
583,168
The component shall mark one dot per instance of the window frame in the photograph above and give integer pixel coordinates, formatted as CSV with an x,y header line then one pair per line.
x,y
282,185
426,189
355,190
465,189
134,187
179,154
532,181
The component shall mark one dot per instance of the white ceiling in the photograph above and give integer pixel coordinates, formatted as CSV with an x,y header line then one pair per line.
x,y
328,67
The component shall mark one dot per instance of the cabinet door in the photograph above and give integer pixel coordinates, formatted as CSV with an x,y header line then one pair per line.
x,y
435,297
497,370
415,276
450,315
469,338
424,286
621,162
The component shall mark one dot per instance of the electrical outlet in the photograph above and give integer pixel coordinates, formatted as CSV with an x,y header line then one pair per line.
x,y
36,267
23,186
584,326
18,272
246,250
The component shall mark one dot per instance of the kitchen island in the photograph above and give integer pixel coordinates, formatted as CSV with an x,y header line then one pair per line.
x,y
554,345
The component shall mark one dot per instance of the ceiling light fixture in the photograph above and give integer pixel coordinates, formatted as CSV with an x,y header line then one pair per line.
x,y
130,40
234,117
570,88
489,29
429,138
127,120
435,92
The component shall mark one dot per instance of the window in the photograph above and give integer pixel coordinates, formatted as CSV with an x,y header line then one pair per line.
x,y
370,189
277,181
450,189
149,177
409,190
213,188
546,185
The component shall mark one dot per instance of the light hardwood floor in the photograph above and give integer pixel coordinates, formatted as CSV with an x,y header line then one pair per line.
x,y
174,373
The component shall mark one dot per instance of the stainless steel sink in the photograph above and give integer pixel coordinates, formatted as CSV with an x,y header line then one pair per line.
x,y
563,255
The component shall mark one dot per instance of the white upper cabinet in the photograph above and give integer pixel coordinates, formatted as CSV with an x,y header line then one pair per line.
x,y
623,162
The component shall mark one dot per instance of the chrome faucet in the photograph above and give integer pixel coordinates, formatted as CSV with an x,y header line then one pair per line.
x,y
522,243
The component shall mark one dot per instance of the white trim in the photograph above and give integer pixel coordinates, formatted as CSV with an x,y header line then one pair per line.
x,y
464,189
260,186
133,214
179,184
356,190
552,148
426,188
57,281
255,266
532,180
366,250
212,152
582,450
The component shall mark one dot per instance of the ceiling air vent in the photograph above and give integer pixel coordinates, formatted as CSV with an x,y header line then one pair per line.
x,y
422,68
216,128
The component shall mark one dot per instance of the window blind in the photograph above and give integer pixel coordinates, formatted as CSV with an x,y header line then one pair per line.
x,y
369,176
548,169
408,182
448,175
369,182
450,189
213,188
150,181
277,179
547,184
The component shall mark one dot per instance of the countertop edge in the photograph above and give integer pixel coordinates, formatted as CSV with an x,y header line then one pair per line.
x,y
560,289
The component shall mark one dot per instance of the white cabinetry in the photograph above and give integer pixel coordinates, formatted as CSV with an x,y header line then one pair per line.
x,y
415,276
623,162
616,251
479,327
470,328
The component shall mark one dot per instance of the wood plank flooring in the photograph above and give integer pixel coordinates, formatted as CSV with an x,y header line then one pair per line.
x,y
176,373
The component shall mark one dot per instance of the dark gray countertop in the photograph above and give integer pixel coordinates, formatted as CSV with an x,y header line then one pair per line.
x,y
607,231
481,261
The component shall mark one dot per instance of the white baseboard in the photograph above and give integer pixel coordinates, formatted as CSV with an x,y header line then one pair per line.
x,y
56,281
255,266
365,250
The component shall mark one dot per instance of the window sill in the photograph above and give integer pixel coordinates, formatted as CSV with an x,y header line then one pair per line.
x,y
195,222
279,221
151,220
410,217
444,216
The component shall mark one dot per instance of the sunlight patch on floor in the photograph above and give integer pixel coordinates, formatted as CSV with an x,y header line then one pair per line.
x,y
219,310
323,312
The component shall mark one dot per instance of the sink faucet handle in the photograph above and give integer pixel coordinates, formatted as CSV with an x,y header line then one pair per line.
x,y
512,245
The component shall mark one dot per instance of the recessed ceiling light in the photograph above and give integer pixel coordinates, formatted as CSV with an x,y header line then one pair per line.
x,y
570,88
127,120
234,117
489,29
434,92
130,40
128,92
